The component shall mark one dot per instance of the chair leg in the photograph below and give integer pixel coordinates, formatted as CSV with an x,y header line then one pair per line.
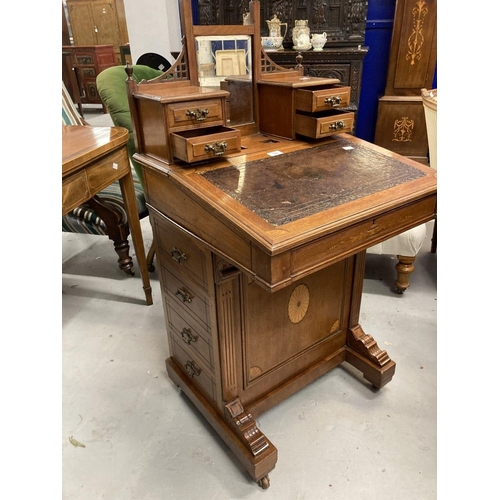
x,y
118,232
150,257
434,240
404,268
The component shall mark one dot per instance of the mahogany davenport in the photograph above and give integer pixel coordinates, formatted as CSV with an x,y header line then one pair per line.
x,y
261,258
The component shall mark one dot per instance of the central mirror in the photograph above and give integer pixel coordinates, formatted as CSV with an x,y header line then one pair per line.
x,y
225,62
219,57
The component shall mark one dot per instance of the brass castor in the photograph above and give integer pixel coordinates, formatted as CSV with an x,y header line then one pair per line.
x,y
264,482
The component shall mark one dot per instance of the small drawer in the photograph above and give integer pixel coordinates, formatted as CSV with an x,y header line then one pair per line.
x,y
110,168
181,254
84,59
190,334
198,113
313,100
186,295
75,190
205,143
194,369
324,124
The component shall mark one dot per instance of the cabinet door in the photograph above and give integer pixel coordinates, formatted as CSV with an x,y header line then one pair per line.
x,y
106,21
82,22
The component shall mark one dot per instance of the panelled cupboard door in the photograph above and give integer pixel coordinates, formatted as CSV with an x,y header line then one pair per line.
x,y
106,20
82,23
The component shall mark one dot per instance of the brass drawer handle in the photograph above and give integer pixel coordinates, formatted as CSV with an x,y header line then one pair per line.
x,y
198,114
337,125
184,295
192,369
218,148
177,255
187,337
333,101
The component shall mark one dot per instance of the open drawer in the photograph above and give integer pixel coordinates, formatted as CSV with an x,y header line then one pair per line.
x,y
205,143
324,124
314,99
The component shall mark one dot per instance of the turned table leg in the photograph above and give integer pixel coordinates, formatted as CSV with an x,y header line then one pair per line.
x,y
118,232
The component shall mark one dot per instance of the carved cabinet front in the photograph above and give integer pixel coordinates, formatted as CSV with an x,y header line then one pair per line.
x,y
344,21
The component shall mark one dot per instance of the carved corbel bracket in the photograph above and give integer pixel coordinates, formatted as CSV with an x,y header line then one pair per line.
x,y
364,353
245,427
366,345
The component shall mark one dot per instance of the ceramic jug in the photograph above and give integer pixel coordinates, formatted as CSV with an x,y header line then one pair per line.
x,y
275,25
318,40
300,35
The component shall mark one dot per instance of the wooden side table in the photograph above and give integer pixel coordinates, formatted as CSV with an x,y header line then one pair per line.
x,y
93,158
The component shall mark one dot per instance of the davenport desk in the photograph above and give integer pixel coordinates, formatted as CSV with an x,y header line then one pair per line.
x,y
93,158
261,258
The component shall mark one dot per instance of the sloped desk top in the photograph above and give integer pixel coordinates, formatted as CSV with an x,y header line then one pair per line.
x,y
279,217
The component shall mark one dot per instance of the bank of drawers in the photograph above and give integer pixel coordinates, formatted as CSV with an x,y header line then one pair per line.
x,y
310,107
186,123
316,115
186,277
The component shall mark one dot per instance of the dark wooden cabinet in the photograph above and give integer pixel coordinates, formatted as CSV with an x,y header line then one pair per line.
x,y
88,61
400,121
343,21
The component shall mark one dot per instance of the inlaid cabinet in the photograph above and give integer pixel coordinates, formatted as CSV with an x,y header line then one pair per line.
x,y
401,123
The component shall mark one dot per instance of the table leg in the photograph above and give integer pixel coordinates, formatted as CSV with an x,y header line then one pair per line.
x,y
128,193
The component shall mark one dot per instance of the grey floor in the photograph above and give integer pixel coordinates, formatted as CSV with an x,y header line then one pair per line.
x,y
143,439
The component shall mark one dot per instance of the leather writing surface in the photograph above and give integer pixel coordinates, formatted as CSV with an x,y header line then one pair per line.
x,y
284,188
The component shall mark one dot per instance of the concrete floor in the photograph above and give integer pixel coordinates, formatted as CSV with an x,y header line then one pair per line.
x,y
337,438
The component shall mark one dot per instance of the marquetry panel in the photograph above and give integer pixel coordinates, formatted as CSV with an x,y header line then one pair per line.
x,y
413,52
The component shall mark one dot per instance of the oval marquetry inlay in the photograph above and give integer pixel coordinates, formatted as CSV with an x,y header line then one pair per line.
x,y
298,303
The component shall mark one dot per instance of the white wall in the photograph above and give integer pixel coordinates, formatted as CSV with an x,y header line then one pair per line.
x,y
153,26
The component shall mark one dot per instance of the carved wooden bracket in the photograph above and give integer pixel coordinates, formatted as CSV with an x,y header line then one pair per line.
x,y
246,427
366,345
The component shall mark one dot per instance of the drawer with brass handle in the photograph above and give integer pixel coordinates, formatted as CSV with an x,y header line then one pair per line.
x,y
206,111
194,369
184,294
181,254
313,100
324,124
204,143
194,336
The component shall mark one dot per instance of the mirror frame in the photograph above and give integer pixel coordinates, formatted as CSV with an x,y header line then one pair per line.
x,y
190,31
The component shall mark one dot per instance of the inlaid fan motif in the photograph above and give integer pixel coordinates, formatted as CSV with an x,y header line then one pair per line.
x,y
298,304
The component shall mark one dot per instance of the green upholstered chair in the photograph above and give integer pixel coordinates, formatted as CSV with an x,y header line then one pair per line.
x,y
112,88
95,216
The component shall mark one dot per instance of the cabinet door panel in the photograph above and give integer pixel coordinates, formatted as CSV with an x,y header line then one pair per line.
x,y
82,23
106,21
